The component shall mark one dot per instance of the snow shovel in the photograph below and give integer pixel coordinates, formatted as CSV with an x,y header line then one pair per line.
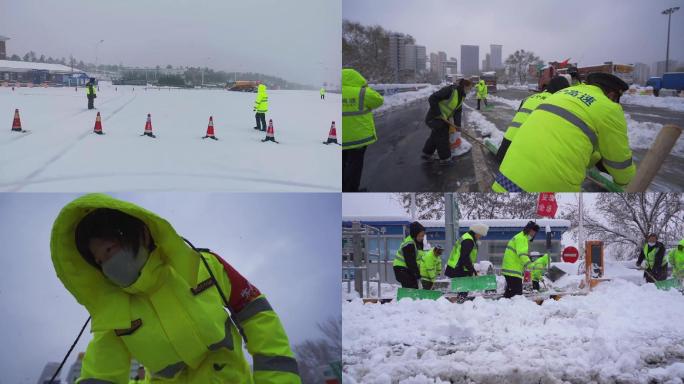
x,y
666,285
421,294
473,283
554,273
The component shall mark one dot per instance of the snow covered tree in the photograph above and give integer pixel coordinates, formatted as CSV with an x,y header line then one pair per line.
x,y
474,205
313,354
15,57
624,220
519,62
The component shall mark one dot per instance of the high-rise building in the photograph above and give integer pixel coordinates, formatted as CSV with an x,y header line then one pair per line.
x,y
434,63
396,53
49,370
470,57
408,62
486,63
659,67
495,56
451,66
641,73
421,58
3,49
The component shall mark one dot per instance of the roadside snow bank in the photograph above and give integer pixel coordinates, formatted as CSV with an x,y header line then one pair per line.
x,y
484,127
403,98
512,103
642,135
618,333
667,102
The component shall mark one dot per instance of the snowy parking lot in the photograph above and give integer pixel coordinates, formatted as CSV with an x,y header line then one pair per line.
x,y
60,153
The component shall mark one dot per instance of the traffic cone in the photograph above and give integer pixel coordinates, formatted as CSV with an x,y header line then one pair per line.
x,y
16,123
332,135
98,125
270,134
210,129
148,127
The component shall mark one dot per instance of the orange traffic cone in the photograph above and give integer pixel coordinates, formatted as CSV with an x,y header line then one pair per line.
x,y
16,123
98,125
270,134
332,135
148,127
210,129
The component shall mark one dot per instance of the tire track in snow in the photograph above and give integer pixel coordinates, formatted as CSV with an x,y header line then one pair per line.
x,y
66,149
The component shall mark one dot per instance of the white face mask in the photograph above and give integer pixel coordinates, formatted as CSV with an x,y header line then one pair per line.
x,y
530,237
124,267
651,244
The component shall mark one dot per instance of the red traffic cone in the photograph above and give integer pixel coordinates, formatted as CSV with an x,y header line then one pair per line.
x,y
332,135
270,134
16,123
98,125
210,129
148,127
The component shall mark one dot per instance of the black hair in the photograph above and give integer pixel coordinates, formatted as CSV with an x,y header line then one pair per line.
x,y
105,223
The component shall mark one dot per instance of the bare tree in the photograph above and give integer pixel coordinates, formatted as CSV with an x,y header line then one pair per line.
x,y
474,205
314,354
624,220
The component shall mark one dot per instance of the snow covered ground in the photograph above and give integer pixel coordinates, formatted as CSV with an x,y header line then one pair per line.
x,y
667,102
621,332
512,103
483,126
643,134
62,154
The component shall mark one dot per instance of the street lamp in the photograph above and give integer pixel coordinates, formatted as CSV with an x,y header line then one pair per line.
x,y
669,13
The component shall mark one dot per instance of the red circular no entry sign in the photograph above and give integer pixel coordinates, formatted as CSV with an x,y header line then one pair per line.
x,y
570,254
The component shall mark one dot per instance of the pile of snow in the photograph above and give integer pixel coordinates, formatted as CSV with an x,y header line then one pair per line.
x,y
483,126
620,332
387,291
400,99
511,103
642,135
62,154
667,102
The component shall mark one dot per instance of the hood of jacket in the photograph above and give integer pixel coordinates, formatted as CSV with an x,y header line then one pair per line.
x,y
352,78
107,303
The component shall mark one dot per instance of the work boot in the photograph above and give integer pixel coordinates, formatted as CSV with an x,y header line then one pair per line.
x,y
426,157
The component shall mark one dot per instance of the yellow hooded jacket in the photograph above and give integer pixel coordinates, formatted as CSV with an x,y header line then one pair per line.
x,y
172,319
261,102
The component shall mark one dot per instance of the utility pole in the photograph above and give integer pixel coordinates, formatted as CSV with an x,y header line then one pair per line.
x,y
669,13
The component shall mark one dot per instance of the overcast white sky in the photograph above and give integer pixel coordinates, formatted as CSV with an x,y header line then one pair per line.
x,y
587,31
297,40
288,245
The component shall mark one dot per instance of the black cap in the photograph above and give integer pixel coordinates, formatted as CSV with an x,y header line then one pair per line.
x,y
415,228
557,83
532,225
607,81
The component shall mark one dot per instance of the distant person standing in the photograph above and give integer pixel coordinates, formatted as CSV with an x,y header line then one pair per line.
x,y
90,93
261,107
481,93
322,93
139,376
358,126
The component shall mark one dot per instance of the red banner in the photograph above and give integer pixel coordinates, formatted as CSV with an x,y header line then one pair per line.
x,y
547,206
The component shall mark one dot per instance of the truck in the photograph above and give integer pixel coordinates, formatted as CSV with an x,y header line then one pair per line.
x,y
623,71
670,80
243,86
